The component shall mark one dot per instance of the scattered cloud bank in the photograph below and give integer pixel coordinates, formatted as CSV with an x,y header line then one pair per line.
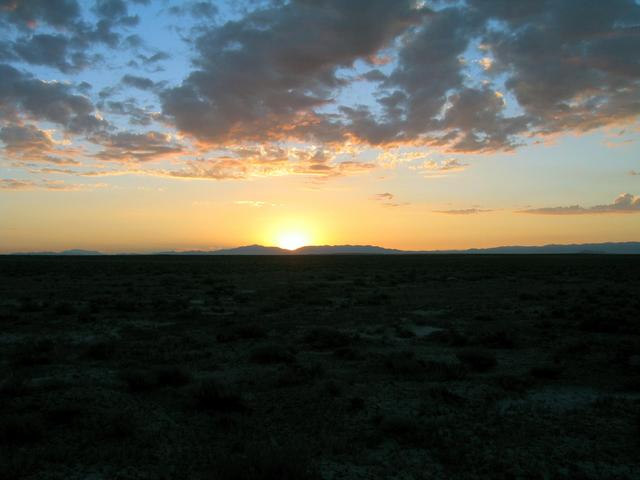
x,y
624,203
478,76
54,185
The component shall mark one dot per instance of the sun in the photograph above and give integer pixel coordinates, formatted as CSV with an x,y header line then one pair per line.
x,y
292,240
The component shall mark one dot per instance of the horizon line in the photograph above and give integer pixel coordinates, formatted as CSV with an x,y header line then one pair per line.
x,y
284,251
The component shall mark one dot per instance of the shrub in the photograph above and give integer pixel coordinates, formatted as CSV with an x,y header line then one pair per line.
x,y
477,360
327,338
38,352
65,413
546,372
333,388
14,385
348,353
138,380
30,305
512,383
356,404
450,337
212,395
444,371
271,354
599,324
400,427
100,350
118,425
172,376
268,463
250,331
21,429
64,309
404,363
298,374
497,339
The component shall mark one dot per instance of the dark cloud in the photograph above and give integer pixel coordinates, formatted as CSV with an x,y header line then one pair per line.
x,y
256,76
136,147
265,76
115,11
133,41
22,95
68,49
142,83
27,143
28,13
137,115
624,203
198,10
25,137
570,64
53,51
156,57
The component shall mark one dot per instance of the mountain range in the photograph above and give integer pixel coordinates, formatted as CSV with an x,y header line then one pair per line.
x,y
584,248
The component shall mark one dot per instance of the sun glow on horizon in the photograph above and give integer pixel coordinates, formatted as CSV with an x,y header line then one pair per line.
x,y
292,240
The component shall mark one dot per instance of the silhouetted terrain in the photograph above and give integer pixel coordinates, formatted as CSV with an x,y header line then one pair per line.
x,y
334,367
624,248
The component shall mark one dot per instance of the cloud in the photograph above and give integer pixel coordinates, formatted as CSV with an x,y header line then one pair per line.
x,y
255,203
253,83
454,77
466,211
246,162
27,143
624,203
129,107
137,147
53,51
142,83
432,168
385,196
22,95
27,14
68,48
257,77
152,59
51,185
386,199
197,10
450,164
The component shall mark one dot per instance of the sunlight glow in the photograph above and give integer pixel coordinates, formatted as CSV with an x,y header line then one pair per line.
x,y
292,240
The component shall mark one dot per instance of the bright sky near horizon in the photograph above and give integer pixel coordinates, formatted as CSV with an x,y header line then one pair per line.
x,y
155,124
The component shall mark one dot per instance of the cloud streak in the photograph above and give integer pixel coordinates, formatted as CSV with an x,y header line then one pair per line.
x,y
624,203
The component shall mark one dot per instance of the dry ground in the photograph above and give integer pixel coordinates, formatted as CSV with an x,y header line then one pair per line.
x,y
341,367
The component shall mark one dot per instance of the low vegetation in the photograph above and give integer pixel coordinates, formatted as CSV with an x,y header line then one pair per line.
x,y
345,367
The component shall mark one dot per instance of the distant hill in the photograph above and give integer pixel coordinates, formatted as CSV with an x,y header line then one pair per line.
x,y
71,252
345,250
251,250
584,248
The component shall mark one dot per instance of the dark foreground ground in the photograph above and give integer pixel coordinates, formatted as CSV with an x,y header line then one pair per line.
x,y
403,367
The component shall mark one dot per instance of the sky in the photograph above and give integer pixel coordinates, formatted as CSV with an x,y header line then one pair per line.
x,y
151,125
